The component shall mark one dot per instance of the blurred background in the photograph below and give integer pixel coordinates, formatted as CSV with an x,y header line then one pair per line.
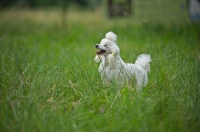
x,y
162,11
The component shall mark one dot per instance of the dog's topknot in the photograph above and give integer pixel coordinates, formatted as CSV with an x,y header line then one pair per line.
x,y
111,36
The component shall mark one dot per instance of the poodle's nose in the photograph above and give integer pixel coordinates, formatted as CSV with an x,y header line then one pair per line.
x,y
97,46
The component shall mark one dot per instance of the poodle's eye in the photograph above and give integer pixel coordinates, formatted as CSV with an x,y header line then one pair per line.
x,y
105,45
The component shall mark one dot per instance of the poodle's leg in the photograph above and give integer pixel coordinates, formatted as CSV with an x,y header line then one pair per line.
x,y
141,80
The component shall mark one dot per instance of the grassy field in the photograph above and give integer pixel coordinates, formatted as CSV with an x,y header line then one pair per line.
x,y
49,81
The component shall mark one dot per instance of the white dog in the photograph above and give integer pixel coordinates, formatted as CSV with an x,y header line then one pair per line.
x,y
113,68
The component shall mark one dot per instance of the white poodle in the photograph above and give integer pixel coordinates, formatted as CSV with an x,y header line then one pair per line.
x,y
113,68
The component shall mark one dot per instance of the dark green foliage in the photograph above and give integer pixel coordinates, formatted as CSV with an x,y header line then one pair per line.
x,y
47,3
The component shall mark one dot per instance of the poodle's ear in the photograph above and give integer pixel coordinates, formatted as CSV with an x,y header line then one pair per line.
x,y
115,50
111,59
97,58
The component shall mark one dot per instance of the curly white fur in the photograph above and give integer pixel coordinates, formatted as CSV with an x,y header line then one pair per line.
x,y
111,36
113,68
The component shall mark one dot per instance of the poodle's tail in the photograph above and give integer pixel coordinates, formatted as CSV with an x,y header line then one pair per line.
x,y
143,60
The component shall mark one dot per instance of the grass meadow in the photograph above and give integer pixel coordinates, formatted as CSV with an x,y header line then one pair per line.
x,y
50,83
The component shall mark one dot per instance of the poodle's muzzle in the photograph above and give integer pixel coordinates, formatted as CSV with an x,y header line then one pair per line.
x,y
97,46
101,50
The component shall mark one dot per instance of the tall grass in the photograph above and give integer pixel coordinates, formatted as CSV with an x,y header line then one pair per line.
x,y
49,81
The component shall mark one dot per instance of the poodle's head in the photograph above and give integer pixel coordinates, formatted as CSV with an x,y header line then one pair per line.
x,y
108,45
